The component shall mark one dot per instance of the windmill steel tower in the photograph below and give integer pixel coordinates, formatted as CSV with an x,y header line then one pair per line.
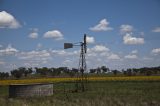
x,y
82,61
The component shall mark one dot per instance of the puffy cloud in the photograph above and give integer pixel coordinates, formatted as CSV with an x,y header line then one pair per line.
x,y
34,29
126,28
8,21
102,52
131,56
156,51
64,53
33,54
147,58
2,62
60,52
8,51
141,33
90,39
114,57
35,58
102,26
134,51
99,48
33,35
1,46
55,34
39,45
67,62
128,39
156,29
91,54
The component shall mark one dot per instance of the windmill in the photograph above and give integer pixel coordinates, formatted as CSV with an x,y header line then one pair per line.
x,y
82,61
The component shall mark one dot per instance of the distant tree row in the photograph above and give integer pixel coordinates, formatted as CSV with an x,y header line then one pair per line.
x,y
142,71
22,71
4,75
56,71
44,71
102,69
65,71
129,72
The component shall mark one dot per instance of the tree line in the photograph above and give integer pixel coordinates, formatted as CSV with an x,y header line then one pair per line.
x,y
65,71
128,72
23,72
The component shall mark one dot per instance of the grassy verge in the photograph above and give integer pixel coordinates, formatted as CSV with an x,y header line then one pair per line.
x,y
102,93
68,79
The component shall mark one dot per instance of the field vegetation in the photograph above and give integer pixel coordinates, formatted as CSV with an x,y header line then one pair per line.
x,y
104,87
98,93
74,79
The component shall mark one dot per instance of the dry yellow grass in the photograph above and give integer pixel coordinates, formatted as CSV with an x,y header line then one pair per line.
x,y
54,80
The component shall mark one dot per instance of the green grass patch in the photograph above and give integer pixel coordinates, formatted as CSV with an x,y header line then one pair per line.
x,y
105,93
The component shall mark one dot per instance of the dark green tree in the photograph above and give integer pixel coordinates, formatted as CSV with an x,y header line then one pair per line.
x,y
115,72
98,70
104,69
4,75
17,73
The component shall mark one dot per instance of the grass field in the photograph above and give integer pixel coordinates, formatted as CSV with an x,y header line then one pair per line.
x,y
99,93
98,78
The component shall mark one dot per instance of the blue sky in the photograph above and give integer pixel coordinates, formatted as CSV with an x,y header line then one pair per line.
x,y
121,33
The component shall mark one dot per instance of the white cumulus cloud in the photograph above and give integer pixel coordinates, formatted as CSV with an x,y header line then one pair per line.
x,y
126,28
90,39
131,56
55,34
67,62
99,48
157,29
103,25
39,45
37,56
33,35
128,39
34,29
63,53
2,62
8,51
8,21
1,46
134,51
156,51
114,57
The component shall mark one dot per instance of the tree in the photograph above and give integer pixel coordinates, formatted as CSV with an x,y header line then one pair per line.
x,y
98,70
148,72
30,70
16,73
115,72
21,71
129,72
135,71
104,69
27,71
75,70
124,72
92,70
57,71
4,75
41,71
72,72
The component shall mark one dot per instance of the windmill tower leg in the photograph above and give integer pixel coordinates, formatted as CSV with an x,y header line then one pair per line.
x,y
82,67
